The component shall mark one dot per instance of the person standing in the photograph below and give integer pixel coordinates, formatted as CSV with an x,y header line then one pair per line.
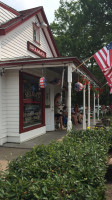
x,y
58,110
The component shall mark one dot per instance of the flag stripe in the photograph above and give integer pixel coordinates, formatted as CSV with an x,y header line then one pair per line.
x,y
105,50
104,53
99,61
104,59
110,56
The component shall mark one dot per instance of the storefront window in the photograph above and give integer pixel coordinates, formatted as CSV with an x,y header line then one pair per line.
x,y
31,102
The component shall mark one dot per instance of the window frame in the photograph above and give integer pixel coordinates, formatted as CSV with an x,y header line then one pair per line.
x,y
21,128
37,28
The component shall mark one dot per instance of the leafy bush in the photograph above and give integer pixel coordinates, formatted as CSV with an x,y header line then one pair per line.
x,y
73,169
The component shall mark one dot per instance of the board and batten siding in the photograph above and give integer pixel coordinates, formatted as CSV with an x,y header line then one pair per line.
x,y
14,44
5,15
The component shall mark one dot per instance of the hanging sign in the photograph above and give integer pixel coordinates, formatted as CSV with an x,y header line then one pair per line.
x,y
34,49
42,82
78,86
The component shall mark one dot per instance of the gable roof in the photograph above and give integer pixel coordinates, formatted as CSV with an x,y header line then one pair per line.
x,y
23,16
3,5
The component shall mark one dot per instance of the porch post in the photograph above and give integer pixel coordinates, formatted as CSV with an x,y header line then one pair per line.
x,y
1,143
94,120
69,124
84,113
89,104
98,106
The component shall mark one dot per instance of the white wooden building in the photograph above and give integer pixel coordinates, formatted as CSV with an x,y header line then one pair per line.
x,y
28,52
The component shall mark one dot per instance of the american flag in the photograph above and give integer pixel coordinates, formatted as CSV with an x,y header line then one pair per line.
x,y
104,59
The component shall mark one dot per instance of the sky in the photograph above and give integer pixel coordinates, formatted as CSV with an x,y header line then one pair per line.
x,y
49,6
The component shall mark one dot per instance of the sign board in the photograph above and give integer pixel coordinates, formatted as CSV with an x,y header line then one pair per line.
x,y
34,49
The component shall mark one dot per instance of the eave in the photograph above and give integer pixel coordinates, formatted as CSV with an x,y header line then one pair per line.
x,y
53,62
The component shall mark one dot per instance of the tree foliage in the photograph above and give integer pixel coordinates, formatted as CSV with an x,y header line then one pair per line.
x,y
81,28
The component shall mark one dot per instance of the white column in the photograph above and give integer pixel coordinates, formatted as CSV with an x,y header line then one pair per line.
x,y
94,117
89,104
1,111
0,50
98,106
84,112
69,124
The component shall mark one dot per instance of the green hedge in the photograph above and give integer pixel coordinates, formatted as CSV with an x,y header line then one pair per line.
x,y
72,169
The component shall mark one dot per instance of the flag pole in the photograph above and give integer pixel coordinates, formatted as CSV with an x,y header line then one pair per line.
x,y
104,84
84,62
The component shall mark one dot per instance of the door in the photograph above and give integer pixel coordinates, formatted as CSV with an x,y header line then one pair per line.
x,y
49,107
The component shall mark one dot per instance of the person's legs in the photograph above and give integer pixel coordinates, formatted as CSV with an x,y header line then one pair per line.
x,y
75,120
64,120
61,123
57,121
80,117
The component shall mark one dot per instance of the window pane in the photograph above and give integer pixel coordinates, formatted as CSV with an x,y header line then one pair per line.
x,y
32,115
36,33
32,101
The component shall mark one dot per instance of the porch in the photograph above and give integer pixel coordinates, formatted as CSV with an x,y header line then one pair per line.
x,y
45,139
37,105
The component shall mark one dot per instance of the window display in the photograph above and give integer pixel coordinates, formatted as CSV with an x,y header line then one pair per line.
x,y
32,114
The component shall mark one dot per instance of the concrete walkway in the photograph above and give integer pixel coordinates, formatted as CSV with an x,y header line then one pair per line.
x,y
10,151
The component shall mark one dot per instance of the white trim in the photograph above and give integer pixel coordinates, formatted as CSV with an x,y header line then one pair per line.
x,y
23,137
98,106
32,134
69,125
0,50
94,114
3,140
89,104
84,103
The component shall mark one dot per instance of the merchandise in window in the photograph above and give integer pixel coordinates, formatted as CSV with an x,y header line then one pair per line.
x,y
31,102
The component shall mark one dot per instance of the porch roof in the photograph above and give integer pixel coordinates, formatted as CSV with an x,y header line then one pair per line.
x,y
48,62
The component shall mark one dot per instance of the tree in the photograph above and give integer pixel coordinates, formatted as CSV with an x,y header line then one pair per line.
x,y
81,28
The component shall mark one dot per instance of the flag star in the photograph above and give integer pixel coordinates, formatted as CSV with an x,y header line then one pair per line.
x,y
109,46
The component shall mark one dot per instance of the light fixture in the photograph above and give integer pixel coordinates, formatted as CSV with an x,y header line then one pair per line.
x,y
41,25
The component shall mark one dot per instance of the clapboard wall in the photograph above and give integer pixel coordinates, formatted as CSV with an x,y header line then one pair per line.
x,y
3,110
5,15
14,44
9,111
12,102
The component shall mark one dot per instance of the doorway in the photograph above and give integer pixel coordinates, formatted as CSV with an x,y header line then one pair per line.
x,y
49,108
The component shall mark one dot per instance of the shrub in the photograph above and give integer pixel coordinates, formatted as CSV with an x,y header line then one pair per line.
x,y
73,169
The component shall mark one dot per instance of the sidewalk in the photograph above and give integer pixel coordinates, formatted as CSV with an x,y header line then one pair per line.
x,y
10,151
